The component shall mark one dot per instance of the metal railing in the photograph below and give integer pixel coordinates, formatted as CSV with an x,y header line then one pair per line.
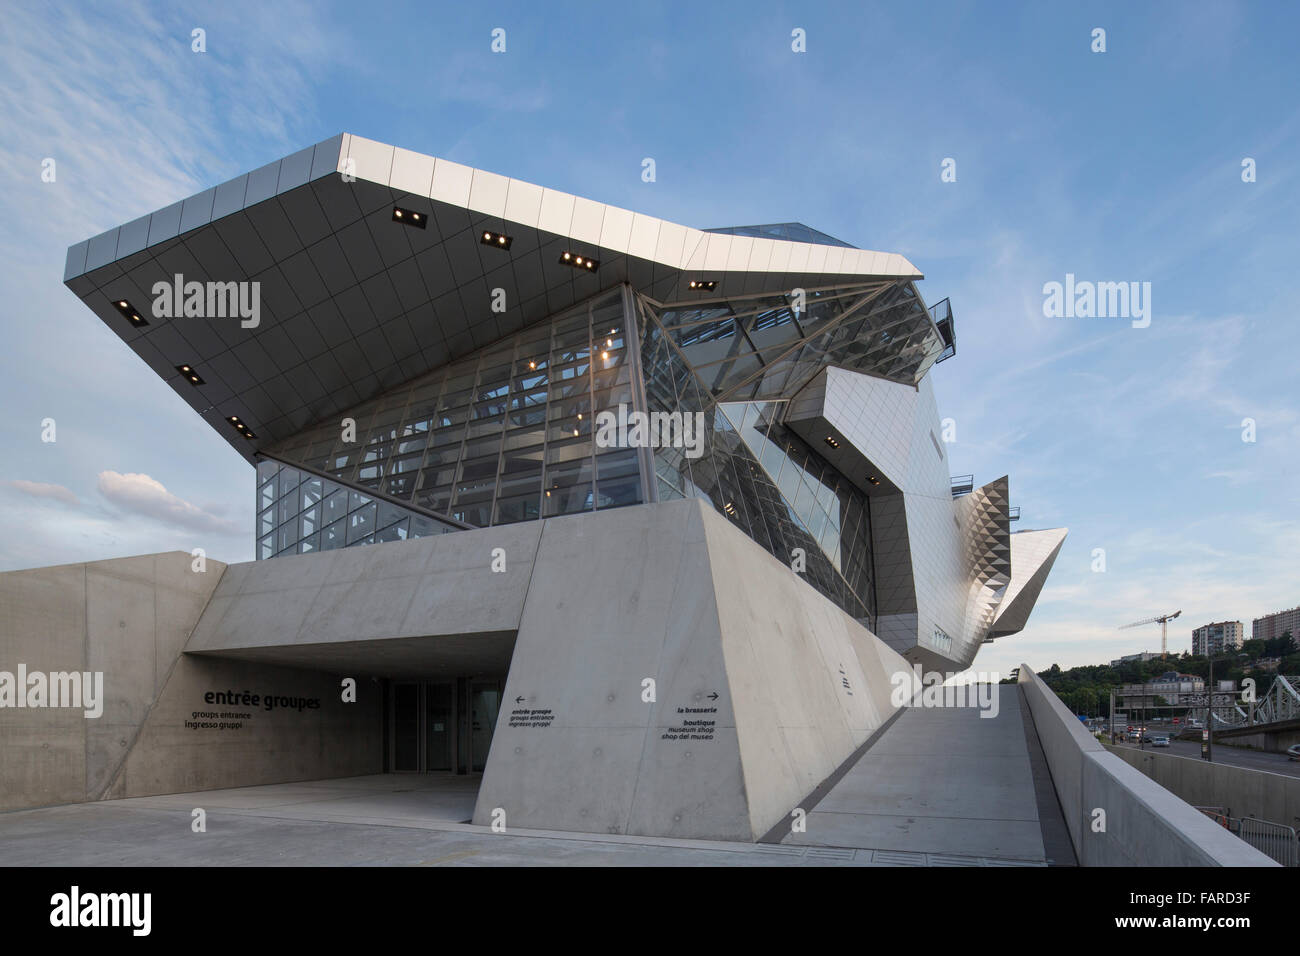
x,y
1275,840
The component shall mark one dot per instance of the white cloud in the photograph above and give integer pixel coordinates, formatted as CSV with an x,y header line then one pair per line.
x,y
145,496
41,489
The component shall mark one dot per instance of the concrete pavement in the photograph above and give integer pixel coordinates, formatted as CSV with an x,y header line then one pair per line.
x,y
381,820
943,781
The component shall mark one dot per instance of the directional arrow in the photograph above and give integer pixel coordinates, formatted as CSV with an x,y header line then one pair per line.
x,y
713,696
519,700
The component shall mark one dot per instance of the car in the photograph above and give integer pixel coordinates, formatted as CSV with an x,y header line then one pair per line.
x,y
1293,752
1134,735
1160,741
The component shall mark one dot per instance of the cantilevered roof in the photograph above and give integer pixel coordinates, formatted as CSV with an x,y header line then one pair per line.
x,y
354,302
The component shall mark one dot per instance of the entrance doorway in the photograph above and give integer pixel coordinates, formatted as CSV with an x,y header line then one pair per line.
x,y
442,725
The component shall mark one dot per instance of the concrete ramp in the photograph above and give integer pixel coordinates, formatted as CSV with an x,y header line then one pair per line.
x,y
946,781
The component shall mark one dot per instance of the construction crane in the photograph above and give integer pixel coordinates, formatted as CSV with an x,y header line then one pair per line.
x,y
1163,620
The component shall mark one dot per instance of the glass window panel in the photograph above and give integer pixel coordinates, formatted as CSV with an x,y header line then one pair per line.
x,y
423,527
267,494
309,522
568,473
617,464
266,522
524,438
572,340
394,532
485,427
562,431
433,477
568,450
567,500
286,508
311,491
482,447
309,544
449,417
618,492
357,500
406,463
285,536
266,547
530,398
518,508
435,499
411,446
335,506
388,513
478,515
361,522
400,486
478,469
442,456
527,416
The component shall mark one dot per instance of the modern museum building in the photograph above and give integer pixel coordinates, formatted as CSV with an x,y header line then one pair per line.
x,y
636,523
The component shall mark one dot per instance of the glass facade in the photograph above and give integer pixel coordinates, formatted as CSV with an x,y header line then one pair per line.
x,y
298,513
792,231
760,476
504,435
764,347
507,434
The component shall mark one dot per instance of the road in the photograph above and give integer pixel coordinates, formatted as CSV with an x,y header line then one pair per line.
x,y
1232,756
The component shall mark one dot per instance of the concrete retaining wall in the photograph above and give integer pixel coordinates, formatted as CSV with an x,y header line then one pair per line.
x,y
762,687
1144,824
1246,792
129,619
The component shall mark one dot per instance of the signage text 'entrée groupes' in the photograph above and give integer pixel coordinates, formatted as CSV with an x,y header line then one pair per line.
x,y
265,701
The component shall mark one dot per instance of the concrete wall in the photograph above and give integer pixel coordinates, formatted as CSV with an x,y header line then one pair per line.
x,y
1245,792
129,618
1145,825
674,594
440,585
1269,741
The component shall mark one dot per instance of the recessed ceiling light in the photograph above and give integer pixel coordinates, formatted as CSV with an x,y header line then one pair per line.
x,y
495,239
409,217
576,261
241,427
873,479
703,285
130,313
189,373
830,440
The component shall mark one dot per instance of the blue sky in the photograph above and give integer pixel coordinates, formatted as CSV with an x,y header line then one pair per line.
x,y
1115,166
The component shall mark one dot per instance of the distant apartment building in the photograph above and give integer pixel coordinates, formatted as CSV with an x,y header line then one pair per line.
x,y
1171,685
1274,625
1144,657
1217,638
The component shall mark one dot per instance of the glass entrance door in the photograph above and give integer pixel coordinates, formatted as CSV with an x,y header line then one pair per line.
x,y
484,705
423,721
439,721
